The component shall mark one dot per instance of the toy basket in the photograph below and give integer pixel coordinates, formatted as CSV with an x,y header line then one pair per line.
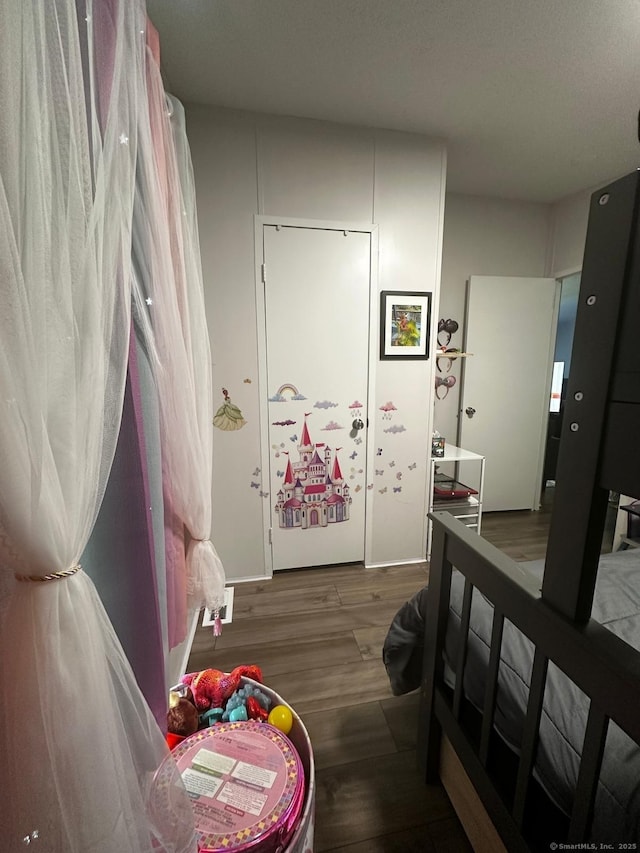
x,y
252,789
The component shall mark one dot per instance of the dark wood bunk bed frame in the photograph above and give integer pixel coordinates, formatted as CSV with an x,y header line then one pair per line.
x,y
599,452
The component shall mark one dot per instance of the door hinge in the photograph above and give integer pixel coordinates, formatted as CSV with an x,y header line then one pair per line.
x,y
270,537
263,272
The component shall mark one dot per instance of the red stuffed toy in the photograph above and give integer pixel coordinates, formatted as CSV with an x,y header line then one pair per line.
x,y
211,688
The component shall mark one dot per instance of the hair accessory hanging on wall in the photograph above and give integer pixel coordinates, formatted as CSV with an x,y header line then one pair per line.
x,y
446,328
447,359
443,383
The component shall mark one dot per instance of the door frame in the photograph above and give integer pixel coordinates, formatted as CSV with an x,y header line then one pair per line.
x,y
260,221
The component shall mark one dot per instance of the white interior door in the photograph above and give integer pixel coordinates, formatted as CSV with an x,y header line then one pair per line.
x,y
510,328
317,294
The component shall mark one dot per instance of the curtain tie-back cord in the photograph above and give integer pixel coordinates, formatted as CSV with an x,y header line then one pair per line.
x,y
54,576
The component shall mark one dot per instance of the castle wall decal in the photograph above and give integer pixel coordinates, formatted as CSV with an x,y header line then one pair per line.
x,y
313,493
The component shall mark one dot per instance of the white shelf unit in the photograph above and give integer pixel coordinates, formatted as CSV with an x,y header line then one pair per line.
x,y
621,535
468,509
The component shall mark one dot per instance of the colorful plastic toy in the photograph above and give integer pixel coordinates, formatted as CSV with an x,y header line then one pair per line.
x,y
241,698
281,717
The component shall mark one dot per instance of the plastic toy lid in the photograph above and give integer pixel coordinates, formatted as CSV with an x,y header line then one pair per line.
x,y
245,781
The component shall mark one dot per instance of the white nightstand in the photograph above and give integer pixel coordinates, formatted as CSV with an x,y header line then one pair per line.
x,y
468,509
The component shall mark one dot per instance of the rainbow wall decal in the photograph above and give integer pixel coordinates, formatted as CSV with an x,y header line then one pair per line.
x,y
291,390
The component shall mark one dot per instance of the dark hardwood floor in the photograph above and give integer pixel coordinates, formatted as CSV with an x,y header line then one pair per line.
x,y
318,634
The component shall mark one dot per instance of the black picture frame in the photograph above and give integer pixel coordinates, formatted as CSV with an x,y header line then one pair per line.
x,y
405,324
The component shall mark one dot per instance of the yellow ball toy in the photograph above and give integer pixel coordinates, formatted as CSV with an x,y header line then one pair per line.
x,y
280,716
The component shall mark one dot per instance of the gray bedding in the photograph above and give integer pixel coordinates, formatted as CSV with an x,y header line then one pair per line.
x,y
617,606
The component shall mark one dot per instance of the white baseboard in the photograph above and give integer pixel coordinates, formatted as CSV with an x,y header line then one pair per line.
x,y
395,563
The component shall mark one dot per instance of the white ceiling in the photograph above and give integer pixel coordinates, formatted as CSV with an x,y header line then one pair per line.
x,y
536,99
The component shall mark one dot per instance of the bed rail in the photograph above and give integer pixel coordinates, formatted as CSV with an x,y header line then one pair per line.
x,y
599,442
603,666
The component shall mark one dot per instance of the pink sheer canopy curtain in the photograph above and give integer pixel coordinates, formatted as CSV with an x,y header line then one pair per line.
x,y
169,298
78,744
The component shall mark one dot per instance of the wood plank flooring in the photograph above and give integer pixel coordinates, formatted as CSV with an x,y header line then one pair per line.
x,y
318,634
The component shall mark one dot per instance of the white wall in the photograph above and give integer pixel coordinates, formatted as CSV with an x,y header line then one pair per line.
x,y
568,233
484,236
247,164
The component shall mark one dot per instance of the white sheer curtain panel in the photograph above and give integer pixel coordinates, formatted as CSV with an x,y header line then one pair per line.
x,y
170,302
78,744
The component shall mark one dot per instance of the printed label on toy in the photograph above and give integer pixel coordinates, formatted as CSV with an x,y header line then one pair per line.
x,y
201,784
259,776
213,762
245,800
214,819
244,782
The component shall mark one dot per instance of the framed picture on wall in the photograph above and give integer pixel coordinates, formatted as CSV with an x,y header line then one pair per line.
x,y
405,321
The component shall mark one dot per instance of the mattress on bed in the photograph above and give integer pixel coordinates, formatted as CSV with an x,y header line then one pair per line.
x,y
565,709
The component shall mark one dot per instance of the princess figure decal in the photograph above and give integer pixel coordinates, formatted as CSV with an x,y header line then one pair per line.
x,y
228,417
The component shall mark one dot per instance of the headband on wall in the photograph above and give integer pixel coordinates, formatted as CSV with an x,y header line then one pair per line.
x,y
444,363
446,328
443,383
